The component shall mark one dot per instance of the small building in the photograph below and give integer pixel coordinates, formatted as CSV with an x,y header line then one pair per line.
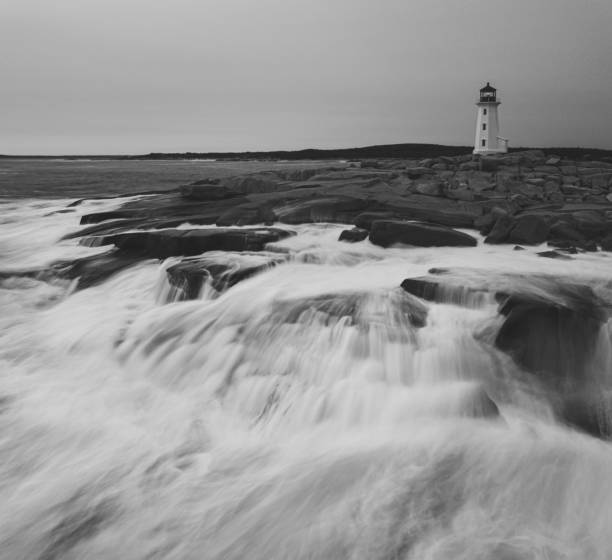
x,y
488,140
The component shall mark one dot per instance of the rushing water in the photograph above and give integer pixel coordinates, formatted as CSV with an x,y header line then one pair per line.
x,y
300,414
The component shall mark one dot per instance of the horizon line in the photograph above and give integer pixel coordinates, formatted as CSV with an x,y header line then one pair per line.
x,y
290,151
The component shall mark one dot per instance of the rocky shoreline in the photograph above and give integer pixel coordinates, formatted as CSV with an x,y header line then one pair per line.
x,y
523,198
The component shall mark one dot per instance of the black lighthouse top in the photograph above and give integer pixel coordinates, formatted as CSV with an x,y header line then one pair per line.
x,y
488,93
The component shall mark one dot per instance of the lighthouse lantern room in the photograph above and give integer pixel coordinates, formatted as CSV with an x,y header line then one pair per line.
x,y
487,139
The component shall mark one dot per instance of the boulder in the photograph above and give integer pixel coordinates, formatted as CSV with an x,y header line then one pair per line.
x,y
591,223
599,181
485,223
389,232
365,219
529,230
501,230
353,235
532,189
606,243
563,230
552,337
489,163
461,193
429,187
481,182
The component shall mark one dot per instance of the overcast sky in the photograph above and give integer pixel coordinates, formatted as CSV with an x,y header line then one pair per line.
x,y
135,76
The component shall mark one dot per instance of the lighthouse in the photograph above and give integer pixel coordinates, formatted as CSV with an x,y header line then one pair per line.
x,y
487,139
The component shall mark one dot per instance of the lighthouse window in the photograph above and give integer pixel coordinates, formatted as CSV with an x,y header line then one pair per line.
x,y
484,143
484,111
484,126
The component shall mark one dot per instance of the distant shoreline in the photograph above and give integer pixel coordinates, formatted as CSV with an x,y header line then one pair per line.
x,y
389,151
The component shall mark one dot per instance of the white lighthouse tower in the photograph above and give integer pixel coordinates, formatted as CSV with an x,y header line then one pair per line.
x,y
488,140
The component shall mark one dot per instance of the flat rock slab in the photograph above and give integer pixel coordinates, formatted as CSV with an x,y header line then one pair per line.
x,y
174,242
390,232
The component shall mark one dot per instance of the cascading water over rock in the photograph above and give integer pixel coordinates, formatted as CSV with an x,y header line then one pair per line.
x,y
310,408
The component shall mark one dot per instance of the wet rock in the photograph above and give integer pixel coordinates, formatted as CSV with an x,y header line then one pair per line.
x,y
221,271
365,219
553,255
529,230
353,235
436,210
103,216
591,223
161,211
588,412
389,232
328,209
404,310
486,222
606,243
554,337
445,292
563,245
169,243
90,271
501,230
565,231
246,215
